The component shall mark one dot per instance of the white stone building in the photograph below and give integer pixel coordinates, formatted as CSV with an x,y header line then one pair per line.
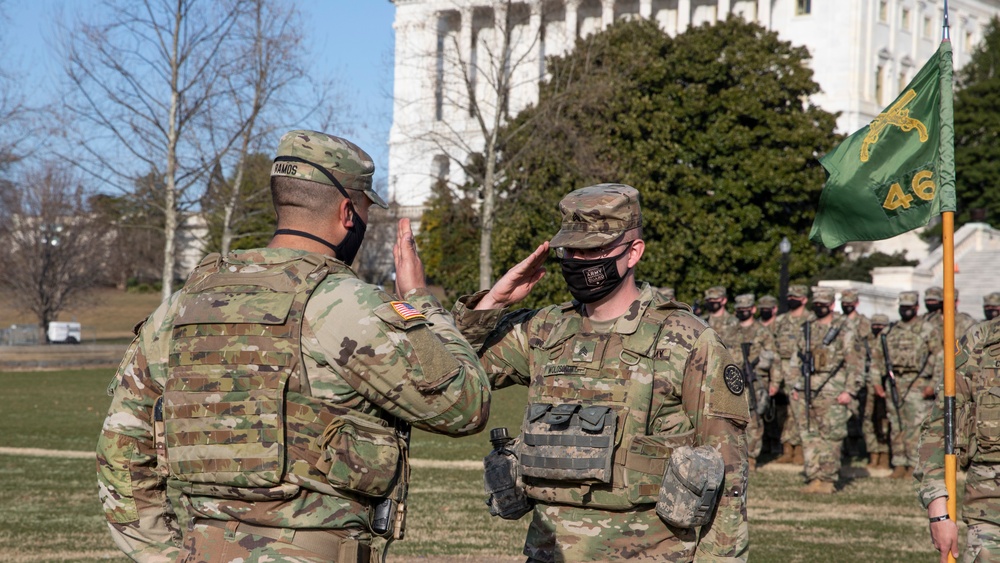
x,y
863,53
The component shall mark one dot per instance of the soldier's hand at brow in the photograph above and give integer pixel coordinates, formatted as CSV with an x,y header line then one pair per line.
x,y
409,268
518,281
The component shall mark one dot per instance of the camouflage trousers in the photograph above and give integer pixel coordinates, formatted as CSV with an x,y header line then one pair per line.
x,y
872,443
229,545
982,544
755,436
561,534
981,511
821,443
792,431
913,410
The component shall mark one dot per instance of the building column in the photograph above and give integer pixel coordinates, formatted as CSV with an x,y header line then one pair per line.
x,y
725,6
683,15
646,8
764,13
607,13
465,41
535,29
572,7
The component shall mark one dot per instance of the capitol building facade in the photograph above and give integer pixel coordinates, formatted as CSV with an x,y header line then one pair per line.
x,y
447,54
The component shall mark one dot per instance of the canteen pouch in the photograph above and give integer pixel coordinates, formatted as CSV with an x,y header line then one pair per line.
x,y
360,455
502,481
691,486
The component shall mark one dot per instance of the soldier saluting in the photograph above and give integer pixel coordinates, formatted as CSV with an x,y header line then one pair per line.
x,y
624,387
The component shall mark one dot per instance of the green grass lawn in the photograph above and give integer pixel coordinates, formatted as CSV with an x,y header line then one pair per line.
x,y
51,511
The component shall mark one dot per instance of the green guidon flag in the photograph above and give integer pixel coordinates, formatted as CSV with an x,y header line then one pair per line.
x,y
895,174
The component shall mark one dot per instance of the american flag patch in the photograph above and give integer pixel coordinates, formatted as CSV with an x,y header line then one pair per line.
x,y
407,311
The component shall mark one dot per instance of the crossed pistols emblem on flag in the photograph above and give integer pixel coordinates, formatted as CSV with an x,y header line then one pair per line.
x,y
896,115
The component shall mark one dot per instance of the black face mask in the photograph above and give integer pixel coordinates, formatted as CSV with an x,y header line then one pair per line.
x,y
821,310
794,304
713,306
934,307
876,330
348,248
766,314
744,314
846,309
591,280
991,313
907,313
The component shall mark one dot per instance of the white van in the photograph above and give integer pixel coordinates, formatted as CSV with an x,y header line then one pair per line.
x,y
64,333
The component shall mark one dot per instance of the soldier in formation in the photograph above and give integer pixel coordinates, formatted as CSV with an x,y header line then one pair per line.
x,y
907,368
255,341
787,329
717,316
767,309
753,346
875,423
977,445
828,352
622,384
991,306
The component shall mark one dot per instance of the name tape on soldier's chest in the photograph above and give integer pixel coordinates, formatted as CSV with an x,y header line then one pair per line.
x,y
734,379
407,311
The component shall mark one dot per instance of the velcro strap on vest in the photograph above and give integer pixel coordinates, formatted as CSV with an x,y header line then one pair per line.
x,y
567,440
561,462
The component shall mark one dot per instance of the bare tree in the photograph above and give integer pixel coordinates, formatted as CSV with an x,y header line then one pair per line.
x,y
52,246
151,94
485,67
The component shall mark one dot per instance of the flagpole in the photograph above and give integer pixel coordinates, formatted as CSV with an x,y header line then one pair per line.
x,y
949,344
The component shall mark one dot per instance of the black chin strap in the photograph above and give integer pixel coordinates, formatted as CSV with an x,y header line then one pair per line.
x,y
309,236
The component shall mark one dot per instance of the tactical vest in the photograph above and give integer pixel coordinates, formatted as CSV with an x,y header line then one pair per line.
x,y
239,418
584,438
906,349
985,419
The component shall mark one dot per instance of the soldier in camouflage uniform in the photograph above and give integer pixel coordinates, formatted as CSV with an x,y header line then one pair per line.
x,y
991,305
876,423
838,361
977,446
934,326
617,378
761,356
717,316
262,412
910,355
767,309
787,329
849,299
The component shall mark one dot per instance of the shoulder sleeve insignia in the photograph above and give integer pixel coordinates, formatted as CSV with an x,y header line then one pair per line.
x,y
734,379
405,310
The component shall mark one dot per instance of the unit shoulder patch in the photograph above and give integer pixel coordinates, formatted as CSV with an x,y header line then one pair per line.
x,y
734,379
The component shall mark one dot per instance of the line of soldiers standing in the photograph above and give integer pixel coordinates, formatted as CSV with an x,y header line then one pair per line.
x,y
881,373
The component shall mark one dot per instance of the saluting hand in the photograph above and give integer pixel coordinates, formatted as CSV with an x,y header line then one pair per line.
x,y
518,281
409,268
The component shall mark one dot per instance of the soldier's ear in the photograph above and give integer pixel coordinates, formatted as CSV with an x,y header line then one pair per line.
x,y
635,252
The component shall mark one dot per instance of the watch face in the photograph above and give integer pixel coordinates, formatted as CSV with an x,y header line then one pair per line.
x,y
734,379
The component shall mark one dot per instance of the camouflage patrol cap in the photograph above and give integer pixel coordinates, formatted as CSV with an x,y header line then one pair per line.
x,y
595,216
326,159
849,296
824,295
933,294
909,298
992,300
715,292
798,290
880,319
744,301
768,301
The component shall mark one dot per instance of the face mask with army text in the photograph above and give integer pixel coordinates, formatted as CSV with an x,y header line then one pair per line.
x,y
713,306
591,280
821,310
907,313
744,314
847,309
991,313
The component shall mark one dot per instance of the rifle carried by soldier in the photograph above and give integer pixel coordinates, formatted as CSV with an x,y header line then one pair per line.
x,y
891,379
808,368
757,405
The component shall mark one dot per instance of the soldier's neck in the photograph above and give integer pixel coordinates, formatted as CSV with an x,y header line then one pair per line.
x,y
616,304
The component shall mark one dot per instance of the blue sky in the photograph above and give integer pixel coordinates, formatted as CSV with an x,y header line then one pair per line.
x,y
351,41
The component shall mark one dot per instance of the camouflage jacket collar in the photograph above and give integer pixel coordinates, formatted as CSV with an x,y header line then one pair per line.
x,y
629,322
274,256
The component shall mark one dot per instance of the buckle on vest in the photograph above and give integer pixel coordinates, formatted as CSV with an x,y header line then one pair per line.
x,y
560,414
592,418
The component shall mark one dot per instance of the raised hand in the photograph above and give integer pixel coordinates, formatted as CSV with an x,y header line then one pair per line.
x,y
518,281
409,268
